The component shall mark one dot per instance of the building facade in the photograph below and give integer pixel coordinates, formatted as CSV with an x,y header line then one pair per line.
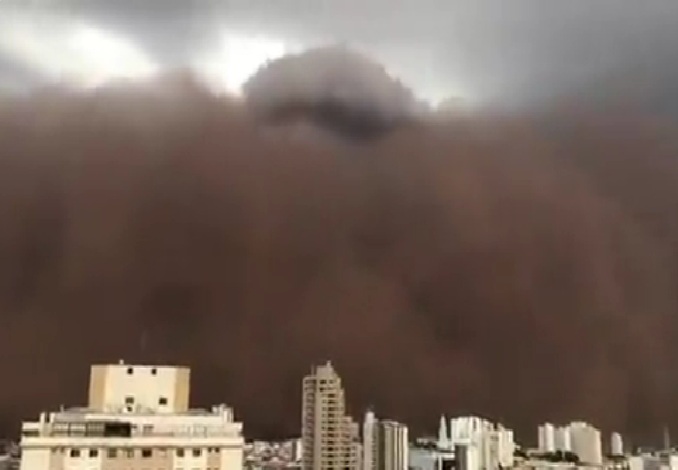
x,y
385,444
547,438
616,444
586,443
370,442
137,418
127,387
330,438
563,439
486,445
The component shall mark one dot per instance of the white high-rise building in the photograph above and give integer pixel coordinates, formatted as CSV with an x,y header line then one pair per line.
x,y
385,444
505,447
563,439
586,443
395,444
466,457
486,446
137,418
616,444
443,436
547,438
468,428
370,440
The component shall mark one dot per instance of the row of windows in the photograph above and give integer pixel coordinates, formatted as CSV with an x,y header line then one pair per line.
x,y
146,453
130,371
130,401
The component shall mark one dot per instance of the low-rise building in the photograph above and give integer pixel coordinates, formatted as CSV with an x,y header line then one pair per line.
x,y
137,418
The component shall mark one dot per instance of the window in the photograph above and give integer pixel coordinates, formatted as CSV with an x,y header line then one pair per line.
x,y
129,400
112,453
180,452
196,452
147,453
75,453
129,453
93,453
162,400
154,371
117,429
130,371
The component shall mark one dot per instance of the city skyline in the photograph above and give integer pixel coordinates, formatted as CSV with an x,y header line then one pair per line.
x,y
140,416
547,436
105,393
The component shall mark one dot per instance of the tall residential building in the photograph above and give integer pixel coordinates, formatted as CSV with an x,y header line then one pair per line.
x,y
563,439
586,443
465,458
616,444
547,438
385,444
486,445
370,442
329,436
395,444
137,418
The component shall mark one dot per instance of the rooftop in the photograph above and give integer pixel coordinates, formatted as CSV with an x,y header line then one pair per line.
x,y
83,412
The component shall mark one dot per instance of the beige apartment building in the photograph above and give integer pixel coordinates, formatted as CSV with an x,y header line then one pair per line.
x,y
330,438
385,444
137,418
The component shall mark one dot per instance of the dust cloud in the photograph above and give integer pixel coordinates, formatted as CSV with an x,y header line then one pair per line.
x,y
520,267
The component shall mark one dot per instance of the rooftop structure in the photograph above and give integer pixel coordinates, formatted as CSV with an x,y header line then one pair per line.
x,y
134,423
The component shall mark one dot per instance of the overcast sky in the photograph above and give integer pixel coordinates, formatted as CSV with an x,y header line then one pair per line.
x,y
480,50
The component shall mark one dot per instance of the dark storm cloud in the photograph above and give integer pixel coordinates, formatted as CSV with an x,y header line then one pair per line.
x,y
519,268
524,51
333,87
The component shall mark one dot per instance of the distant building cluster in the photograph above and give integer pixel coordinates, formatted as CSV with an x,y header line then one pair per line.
x,y
578,438
476,443
263,455
138,418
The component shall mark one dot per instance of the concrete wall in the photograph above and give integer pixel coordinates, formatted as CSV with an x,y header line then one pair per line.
x,y
161,388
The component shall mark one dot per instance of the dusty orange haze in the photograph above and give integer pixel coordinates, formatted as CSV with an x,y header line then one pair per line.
x,y
518,267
